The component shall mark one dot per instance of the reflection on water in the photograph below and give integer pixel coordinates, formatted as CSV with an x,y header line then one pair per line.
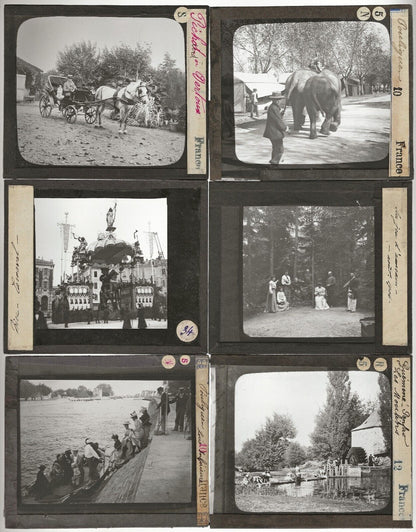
x,y
50,427
375,488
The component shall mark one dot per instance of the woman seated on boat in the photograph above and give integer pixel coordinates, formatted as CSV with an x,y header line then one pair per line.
x,y
137,432
67,466
116,457
128,449
57,473
41,487
282,303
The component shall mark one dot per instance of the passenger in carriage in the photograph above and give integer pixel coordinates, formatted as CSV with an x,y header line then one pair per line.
x,y
69,86
41,487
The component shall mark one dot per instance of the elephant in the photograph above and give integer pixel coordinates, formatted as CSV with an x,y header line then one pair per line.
x,y
322,93
294,87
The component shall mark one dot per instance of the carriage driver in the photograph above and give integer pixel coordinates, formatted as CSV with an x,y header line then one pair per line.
x,y
69,86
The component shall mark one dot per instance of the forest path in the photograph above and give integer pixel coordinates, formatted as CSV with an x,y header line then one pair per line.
x,y
362,136
306,322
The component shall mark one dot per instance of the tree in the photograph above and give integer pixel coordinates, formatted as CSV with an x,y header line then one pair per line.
x,y
81,60
295,454
342,412
123,61
384,397
107,391
267,449
28,390
170,82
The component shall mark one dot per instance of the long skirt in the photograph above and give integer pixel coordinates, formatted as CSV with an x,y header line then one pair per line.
x,y
320,303
351,304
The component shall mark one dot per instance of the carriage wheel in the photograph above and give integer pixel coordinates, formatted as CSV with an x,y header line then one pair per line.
x,y
90,115
45,106
70,114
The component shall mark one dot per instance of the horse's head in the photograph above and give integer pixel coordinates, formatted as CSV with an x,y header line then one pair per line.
x,y
140,91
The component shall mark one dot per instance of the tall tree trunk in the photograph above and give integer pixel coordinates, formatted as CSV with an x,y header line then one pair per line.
x,y
295,263
271,250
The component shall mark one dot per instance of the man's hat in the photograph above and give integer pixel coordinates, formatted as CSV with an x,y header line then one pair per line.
x,y
42,467
133,414
126,423
276,96
70,76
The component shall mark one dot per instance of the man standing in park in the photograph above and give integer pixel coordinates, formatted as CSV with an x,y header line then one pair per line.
x,y
254,107
275,128
330,289
286,284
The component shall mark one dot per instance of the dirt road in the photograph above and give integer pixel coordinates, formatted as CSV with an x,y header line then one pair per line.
x,y
362,136
305,322
52,141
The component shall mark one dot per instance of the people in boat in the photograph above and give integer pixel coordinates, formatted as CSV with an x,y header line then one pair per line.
x,y
128,450
57,473
77,468
117,458
67,459
146,424
92,459
136,432
41,487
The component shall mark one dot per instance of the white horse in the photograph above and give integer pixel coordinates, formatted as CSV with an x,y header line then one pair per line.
x,y
121,99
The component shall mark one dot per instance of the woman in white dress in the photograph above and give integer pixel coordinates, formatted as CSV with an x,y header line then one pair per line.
x,y
320,298
282,303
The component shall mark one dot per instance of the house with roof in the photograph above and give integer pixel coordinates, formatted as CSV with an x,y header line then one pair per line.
x,y
369,435
27,77
245,83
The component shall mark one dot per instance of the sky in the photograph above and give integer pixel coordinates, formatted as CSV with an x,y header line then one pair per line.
x,y
297,394
40,39
89,217
125,387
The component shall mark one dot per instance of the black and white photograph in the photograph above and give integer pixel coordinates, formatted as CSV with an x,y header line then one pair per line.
x,y
101,263
101,91
311,93
324,451
308,271
111,441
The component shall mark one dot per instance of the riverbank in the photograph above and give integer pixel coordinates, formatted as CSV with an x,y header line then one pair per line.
x,y
279,503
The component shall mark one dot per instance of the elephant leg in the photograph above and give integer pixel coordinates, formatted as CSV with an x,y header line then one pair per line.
x,y
312,119
298,112
336,119
326,124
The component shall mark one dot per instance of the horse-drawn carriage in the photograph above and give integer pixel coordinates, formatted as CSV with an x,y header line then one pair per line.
x,y
80,101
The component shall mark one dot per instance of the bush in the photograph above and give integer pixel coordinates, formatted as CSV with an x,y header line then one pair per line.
x,y
356,455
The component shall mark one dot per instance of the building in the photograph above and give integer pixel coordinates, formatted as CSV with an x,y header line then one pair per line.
x,y
369,435
44,284
28,79
245,82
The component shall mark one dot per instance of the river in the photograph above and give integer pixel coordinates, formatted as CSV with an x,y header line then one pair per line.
x,y
53,426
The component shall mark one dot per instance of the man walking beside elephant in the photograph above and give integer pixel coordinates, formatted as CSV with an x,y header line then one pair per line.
x,y
275,128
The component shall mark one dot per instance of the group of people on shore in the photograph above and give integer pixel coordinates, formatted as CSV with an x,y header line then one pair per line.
x,y
279,295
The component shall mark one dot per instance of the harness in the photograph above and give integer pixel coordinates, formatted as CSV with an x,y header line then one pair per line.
x,y
124,96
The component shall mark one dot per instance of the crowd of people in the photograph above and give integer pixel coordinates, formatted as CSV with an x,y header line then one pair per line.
x,y
81,467
326,296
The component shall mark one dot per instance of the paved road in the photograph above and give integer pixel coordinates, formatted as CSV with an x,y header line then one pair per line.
x,y
362,136
306,322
